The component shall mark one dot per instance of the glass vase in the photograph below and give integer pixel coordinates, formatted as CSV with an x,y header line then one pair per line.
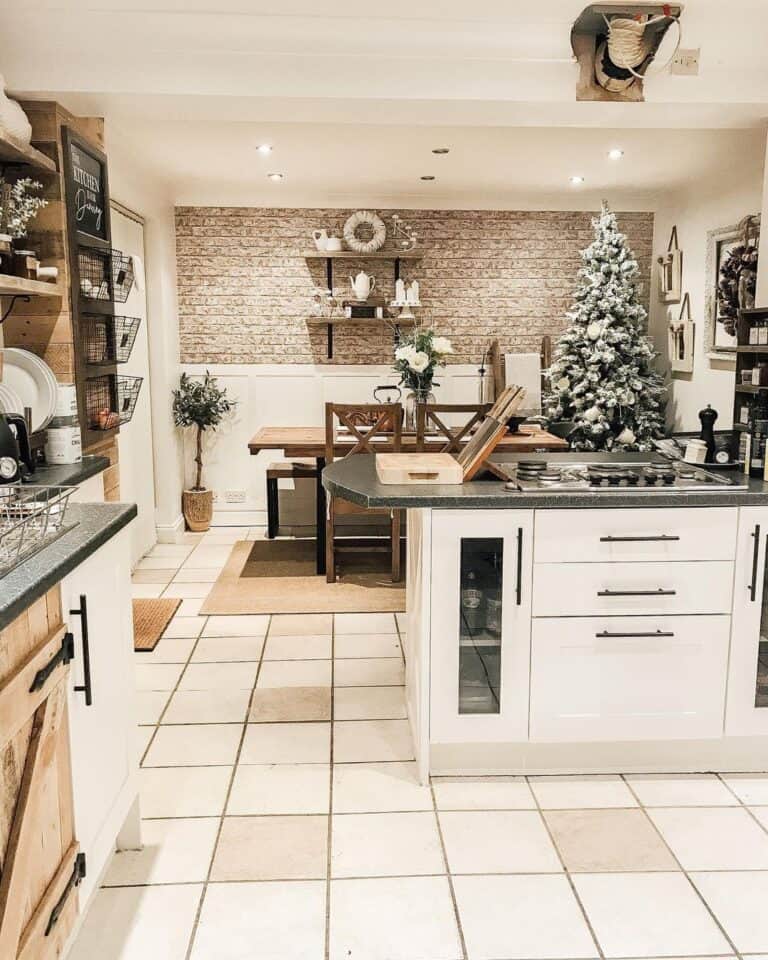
x,y
412,400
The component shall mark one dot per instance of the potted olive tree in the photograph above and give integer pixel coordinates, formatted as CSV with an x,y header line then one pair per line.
x,y
201,404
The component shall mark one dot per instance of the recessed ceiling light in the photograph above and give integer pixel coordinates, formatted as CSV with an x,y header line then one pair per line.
x,y
616,153
276,177
264,148
575,181
441,150
427,177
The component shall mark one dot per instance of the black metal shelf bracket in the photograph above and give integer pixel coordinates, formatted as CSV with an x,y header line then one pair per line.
x,y
16,296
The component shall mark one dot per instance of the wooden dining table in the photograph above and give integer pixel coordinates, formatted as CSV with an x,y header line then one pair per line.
x,y
309,443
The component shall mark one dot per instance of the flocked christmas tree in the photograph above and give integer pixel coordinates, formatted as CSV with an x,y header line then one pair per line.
x,y
602,375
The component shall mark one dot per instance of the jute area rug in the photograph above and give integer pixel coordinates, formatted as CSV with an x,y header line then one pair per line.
x,y
278,576
150,618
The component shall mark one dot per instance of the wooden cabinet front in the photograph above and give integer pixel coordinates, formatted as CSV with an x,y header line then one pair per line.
x,y
40,868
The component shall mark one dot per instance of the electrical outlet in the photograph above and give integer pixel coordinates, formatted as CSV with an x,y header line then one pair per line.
x,y
234,496
686,63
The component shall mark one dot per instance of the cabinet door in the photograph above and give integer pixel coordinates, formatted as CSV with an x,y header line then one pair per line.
x,y
101,731
480,631
747,711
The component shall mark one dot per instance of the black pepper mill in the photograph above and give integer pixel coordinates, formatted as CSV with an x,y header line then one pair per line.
x,y
708,417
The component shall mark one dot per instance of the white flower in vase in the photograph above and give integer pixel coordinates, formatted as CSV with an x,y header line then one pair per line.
x,y
418,361
442,345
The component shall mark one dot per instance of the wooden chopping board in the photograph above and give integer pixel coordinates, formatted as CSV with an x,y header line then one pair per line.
x,y
418,468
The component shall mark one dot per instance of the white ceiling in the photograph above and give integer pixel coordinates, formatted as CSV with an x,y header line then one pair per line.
x,y
355,96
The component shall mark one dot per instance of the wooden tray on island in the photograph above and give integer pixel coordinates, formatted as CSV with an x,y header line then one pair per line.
x,y
418,468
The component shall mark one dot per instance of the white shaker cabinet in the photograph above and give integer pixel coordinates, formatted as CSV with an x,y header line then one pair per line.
x,y
747,709
102,710
480,625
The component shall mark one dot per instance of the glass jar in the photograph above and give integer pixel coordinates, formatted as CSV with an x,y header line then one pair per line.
x,y
6,253
412,400
25,264
63,440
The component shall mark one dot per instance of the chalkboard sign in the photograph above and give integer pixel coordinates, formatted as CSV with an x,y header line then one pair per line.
x,y
87,189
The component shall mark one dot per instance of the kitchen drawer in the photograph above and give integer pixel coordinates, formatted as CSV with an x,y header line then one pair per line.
x,y
599,589
605,679
593,536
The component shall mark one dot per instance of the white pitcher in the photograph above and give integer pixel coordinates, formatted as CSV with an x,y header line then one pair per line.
x,y
362,285
321,239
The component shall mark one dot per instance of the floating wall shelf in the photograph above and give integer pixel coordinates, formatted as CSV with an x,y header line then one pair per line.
x,y
13,151
393,256
19,287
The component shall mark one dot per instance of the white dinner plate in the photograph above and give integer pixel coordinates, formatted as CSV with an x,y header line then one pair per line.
x,y
10,402
27,376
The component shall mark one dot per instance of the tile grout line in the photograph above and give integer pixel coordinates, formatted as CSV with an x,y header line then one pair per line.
x,y
741,803
329,838
566,871
198,912
684,872
448,875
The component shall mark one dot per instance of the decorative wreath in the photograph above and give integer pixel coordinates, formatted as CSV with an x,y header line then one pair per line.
x,y
376,225
737,282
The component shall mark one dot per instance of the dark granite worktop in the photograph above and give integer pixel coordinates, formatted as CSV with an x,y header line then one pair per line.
x,y
355,479
70,474
95,523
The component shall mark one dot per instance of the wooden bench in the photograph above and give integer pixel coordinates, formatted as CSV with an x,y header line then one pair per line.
x,y
284,470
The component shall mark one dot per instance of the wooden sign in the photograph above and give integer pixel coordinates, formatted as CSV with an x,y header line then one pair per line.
x,y
86,187
680,339
671,271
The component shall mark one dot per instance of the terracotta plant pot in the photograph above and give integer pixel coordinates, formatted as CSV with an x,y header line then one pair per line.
x,y
197,506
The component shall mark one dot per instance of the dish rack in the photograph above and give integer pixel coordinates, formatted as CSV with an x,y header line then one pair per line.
x,y
31,517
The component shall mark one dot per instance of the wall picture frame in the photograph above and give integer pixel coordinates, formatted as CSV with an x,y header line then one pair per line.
x,y
670,271
719,343
680,339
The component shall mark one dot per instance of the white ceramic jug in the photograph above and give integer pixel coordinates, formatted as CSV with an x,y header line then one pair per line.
x,y
321,239
362,285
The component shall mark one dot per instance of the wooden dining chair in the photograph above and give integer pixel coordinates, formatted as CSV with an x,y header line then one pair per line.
x,y
371,428
428,419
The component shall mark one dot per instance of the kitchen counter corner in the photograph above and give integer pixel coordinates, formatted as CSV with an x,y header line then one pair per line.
x,y
95,524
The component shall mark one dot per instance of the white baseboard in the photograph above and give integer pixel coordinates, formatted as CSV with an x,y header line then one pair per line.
x,y
171,533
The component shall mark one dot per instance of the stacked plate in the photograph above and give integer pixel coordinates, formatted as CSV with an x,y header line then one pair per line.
x,y
27,382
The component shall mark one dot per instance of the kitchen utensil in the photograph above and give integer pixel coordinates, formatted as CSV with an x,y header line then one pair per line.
x,y
707,416
387,393
14,448
33,381
428,468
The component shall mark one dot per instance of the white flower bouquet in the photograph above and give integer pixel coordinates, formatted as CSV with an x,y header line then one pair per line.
x,y
417,356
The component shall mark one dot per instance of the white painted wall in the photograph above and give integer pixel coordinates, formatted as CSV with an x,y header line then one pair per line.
x,y
717,201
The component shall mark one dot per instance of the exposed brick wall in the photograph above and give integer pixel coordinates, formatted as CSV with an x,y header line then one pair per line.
x,y
245,289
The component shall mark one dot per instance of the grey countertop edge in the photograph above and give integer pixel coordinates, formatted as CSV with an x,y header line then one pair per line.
x,y
96,523
69,474
355,479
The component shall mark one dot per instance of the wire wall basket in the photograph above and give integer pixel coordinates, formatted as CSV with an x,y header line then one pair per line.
x,y
31,517
105,275
111,400
109,339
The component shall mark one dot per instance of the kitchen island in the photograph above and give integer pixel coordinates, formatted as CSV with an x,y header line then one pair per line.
x,y
591,630
69,771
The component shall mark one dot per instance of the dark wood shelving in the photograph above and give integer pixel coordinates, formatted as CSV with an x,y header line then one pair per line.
x,y
748,388
13,151
753,348
353,255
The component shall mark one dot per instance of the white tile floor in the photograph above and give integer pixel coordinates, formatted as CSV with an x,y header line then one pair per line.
x,y
283,819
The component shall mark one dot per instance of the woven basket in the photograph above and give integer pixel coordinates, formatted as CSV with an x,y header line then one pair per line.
x,y
197,506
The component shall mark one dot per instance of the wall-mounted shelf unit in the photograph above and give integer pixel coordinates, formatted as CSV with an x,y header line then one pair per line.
x,y
19,287
747,355
15,153
393,256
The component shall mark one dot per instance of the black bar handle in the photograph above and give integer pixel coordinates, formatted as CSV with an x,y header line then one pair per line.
x,y
652,633
63,655
85,687
755,554
519,589
661,538
78,873
637,593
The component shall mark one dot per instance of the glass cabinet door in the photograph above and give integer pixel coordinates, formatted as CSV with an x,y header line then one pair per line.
x,y
480,616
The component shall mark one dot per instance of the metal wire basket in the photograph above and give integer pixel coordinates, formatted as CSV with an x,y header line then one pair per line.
x,y
31,517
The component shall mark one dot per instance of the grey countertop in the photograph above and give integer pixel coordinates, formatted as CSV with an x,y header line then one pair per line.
x,y
69,475
355,479
95,523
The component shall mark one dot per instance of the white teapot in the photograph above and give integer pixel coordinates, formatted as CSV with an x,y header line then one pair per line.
x,y
362,285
